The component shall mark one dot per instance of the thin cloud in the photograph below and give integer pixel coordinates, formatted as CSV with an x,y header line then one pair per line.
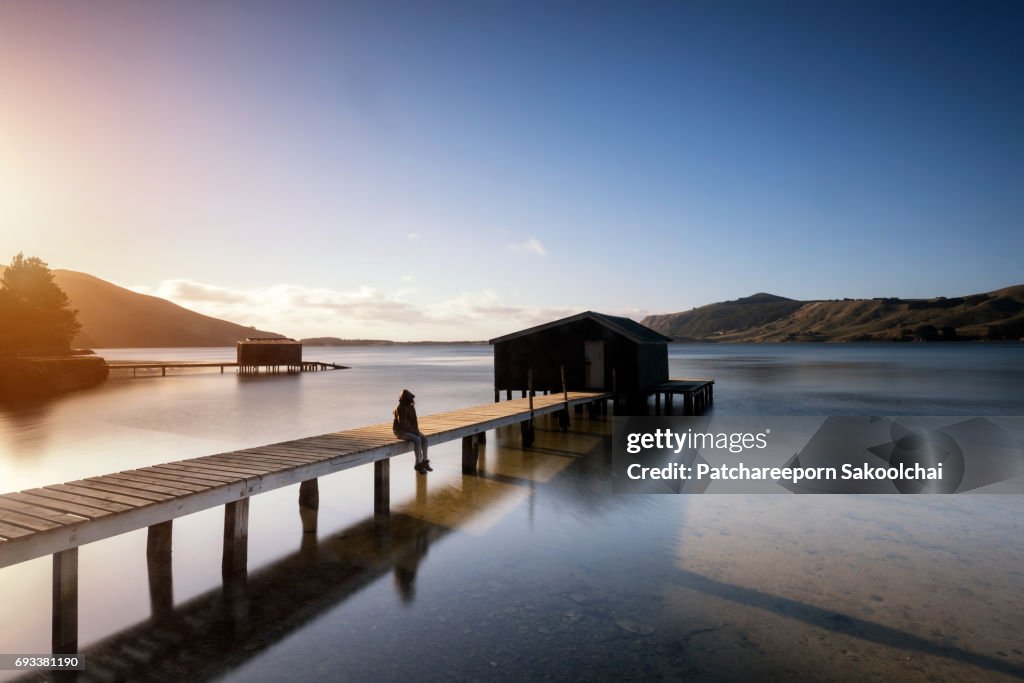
x,y
413,236
531,245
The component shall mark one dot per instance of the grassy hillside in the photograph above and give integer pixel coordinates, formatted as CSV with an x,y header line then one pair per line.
x,y
114,317
726,317
767,318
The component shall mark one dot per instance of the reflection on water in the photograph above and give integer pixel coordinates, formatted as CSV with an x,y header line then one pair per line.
x,y
530,568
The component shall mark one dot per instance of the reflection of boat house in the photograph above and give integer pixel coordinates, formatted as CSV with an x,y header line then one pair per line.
x,y
254,353
598,352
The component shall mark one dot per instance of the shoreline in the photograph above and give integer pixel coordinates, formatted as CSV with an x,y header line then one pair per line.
x,y
49,376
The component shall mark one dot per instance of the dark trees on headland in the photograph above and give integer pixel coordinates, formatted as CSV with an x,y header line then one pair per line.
x,y
35,313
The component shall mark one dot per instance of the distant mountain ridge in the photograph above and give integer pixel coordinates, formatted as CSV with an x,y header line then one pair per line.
x,y
115,317
769,318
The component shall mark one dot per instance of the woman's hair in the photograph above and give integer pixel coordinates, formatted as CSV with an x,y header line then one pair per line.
x,y
406,396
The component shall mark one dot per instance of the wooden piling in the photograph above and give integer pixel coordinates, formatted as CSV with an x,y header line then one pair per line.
x,y
236,537
469,454
382,489
65,602
158,561
309,505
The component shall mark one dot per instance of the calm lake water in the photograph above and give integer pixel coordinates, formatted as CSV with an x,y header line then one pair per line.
x,y
532,569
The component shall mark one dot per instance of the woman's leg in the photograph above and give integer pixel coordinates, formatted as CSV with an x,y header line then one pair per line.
x,y
417,446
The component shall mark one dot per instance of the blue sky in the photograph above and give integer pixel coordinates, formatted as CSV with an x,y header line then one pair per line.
x,y
457,170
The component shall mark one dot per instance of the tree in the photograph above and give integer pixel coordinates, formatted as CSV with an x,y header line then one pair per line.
x,y
35,313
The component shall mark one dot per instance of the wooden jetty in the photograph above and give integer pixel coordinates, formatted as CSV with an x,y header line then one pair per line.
x,y
698,395
163,366
55,520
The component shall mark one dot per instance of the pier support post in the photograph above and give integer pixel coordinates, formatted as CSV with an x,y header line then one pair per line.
x,y
236,538
508,394
526,431
711,394
65,602
469,454
158,561
668,403
688,403
497,395
309,505
382,489
657,403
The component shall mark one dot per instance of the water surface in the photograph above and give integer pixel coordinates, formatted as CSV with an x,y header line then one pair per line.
x,y
533,568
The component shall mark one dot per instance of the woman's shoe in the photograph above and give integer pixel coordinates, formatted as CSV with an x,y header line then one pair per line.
x,y
427,467
419,468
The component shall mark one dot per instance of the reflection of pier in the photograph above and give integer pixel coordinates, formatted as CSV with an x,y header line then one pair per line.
x,y
55,520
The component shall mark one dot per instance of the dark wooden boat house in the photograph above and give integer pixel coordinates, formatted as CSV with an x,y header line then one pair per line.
x,y
598,352
254,353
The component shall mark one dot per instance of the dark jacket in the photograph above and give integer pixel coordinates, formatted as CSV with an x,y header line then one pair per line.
x,y
405,415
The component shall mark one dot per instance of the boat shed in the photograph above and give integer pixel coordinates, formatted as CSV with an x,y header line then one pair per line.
x,y
256,352
598,352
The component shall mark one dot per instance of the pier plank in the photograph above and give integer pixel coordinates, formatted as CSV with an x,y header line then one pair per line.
x,y
54,492
233,471
147,484
27,521
13,504
173,479
193,472
112,486
8,532
90,492
59,506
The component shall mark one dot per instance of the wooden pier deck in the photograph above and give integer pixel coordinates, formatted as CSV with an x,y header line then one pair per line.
x,y
57,519
697,395
304,366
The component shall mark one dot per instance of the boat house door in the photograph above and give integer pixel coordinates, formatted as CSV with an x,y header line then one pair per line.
x,y
593,363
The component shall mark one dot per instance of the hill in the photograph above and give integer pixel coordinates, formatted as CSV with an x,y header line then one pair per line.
x,y
115,317
768,318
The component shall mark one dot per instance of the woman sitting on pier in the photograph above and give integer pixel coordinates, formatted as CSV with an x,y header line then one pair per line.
x,y
407,427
